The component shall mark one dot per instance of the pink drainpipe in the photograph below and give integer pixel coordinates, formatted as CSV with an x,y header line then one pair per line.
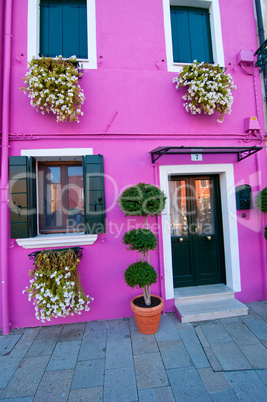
x,y
4,166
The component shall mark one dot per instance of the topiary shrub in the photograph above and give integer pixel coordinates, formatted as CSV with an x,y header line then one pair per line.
x,y
141,240
261,200
142,200
265,232
140,275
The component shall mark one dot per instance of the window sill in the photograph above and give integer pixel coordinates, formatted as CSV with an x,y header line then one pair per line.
x,y
55,240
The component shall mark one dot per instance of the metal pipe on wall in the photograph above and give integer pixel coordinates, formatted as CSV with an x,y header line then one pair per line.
x,y
4,165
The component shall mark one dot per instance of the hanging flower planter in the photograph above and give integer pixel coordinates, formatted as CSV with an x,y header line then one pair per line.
x,y
52,85
209,89
55,286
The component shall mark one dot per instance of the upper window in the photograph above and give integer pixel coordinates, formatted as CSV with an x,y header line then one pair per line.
x,y
192,32
63,28
191,38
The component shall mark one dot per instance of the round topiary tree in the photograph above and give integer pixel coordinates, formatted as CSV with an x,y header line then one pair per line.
x,y
140,239
261,200
141,275
141,200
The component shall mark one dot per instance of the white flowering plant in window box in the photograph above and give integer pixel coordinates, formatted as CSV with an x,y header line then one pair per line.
x,y
209,89
55,286
52,85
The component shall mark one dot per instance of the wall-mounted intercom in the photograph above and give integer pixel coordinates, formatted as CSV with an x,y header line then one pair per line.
x,y
244,197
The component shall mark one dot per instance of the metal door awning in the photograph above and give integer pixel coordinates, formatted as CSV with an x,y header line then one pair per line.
x,y
241,152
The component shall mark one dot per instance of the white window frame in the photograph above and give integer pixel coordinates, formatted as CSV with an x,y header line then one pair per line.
x,y
57,239
215,25
229,218
34,33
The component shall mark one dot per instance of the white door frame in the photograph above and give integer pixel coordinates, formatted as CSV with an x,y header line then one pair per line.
x,y
229,219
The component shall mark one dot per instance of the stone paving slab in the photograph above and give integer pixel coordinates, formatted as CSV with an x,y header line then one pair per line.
x,y
120,385
26,379
241,334
24,344
119,353
256,354
93,344
263,375
45,342
260,308
194,348
150,371
143,343
162,394
174,354
23,399
7,343
89,374
72,332
94,394
215,333
167,330
257,325
64,356
248,386
214,382
8,366
187,385
230,356
224,396
55,386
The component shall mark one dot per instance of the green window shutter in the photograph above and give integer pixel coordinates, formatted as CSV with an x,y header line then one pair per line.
x,y
201,46
22,197
180,35
51,22
63,28
191,35
94,194
75,28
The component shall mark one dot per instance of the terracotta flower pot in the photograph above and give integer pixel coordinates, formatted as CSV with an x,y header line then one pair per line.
x,y
147,318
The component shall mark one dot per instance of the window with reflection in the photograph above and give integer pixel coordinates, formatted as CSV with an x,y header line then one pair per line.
x,y
61,197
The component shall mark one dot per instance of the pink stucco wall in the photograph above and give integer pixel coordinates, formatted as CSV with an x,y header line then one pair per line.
x,y
133,92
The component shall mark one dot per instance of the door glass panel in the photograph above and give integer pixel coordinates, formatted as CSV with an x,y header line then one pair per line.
x,y
205,207
178,208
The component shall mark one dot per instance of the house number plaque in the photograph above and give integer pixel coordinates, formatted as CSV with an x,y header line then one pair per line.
x,y
196,157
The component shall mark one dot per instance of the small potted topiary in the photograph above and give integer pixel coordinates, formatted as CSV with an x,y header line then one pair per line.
x,y
261,203
261,200
143,200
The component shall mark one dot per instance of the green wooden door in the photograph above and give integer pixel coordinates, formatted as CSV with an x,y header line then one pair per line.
x,y
196,231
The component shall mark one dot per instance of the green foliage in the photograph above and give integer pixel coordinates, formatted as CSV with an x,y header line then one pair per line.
x,y
142,200
140,274
265,232
55,287
261,200
140,239
52,85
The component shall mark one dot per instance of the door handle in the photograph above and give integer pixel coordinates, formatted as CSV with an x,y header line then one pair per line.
x,y
181,239
208,237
